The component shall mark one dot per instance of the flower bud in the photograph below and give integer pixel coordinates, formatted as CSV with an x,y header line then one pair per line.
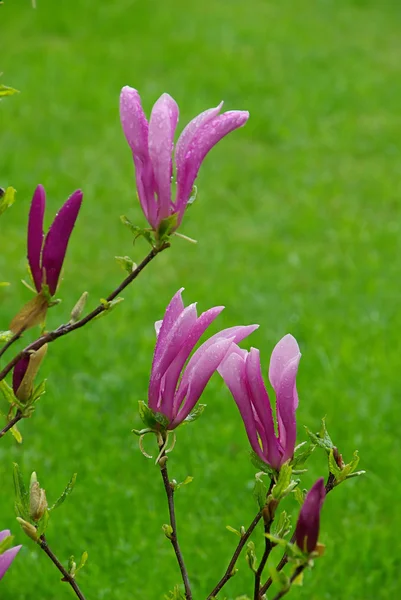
x,y
28,529
307,529
37,499
25,372
78,308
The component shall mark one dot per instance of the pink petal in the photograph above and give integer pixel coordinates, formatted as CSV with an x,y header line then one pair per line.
x,y
174,370
190,132
232,369
196,377
35,234
287,401
7,558
207,136
284,351
57,239
162,125
167,352
261,402
135,127
5,533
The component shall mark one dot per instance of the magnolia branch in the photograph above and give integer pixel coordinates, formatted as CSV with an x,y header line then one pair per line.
x,y
66,576
69,327
18,416
330,483
173,534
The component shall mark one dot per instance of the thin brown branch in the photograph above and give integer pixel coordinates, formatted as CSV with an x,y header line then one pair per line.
x,y
268,516
11,423
66,576
69,327
173,535
10,342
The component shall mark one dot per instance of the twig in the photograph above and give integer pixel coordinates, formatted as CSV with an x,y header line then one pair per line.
x,y
69,327
230,569
10,342
10,424
268,515
284,559
173,535
66,576
285,591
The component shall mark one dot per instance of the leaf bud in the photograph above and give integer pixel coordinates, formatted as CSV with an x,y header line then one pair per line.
x,y
78,308
28,529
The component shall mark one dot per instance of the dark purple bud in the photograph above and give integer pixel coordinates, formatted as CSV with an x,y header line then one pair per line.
x,y
307,529
19,373
35,234
57,239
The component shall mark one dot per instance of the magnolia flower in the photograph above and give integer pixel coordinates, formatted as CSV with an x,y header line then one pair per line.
x,y
307,529
46,256
7,557
242,373
152,148
173,388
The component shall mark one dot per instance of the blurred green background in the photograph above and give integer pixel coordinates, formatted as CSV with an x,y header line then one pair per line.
x,y
298,222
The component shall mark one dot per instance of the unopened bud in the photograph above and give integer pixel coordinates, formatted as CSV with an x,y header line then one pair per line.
x,y
78,308
168,531
37,501
28,529
25,372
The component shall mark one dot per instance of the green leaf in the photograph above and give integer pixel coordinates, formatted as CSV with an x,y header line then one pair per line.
x,y
5,336
138,231
260,465
6,543
299,495
7,392
260,490
67,492
300,459
195,414
284,483
234,530
188,479
347,471
43,523
82,562
126,263
7,198
251,557
167,227
151,418
39,390
322,438
21,494
282,525
7,91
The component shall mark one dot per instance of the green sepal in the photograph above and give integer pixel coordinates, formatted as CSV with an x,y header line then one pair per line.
x,y
8,197
68,489
260,465
21,494
126,263
195,414
150,418
322,438
6,543
5,336
167,227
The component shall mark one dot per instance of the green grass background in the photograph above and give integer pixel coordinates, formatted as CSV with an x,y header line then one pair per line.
x,y
298,222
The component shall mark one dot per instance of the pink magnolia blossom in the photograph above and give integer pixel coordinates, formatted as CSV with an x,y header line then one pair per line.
x,y
308,525
175,388
152,149
8,556
46,255
241,371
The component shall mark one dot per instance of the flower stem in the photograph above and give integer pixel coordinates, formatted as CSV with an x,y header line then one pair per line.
x,y
69,327
11,423
173,536
10,342
66,576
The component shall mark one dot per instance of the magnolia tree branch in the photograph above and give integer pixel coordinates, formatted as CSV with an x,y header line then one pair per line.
x,y
328,487
173,533
11,423
69,327
266,553
66,576
10,342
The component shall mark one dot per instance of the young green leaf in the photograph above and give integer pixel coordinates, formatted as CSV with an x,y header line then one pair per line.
x,y
21,494
66,492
